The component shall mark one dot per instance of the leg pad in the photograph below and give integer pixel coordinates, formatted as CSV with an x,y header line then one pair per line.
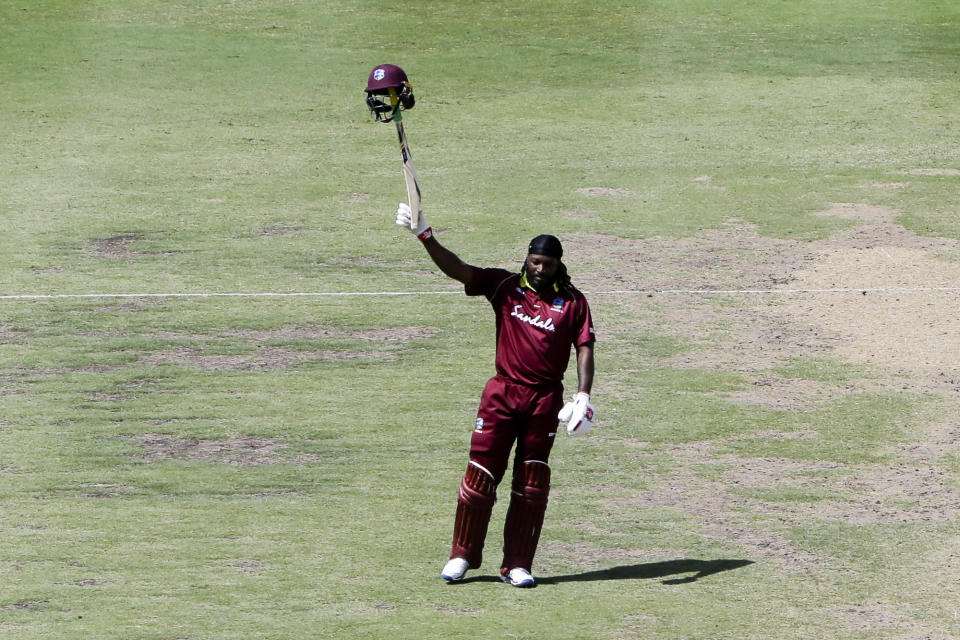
x,y
478,492
528,505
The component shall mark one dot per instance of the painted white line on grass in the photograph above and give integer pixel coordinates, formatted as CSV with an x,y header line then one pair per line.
x,y
330,294
350,294
782,291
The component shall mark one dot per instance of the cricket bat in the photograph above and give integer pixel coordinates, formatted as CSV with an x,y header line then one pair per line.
x,y
409,171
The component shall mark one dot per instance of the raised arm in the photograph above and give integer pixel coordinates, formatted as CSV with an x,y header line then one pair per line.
x,y
446,260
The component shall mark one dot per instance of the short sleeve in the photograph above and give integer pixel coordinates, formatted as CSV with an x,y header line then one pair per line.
x,y
485,282
585,333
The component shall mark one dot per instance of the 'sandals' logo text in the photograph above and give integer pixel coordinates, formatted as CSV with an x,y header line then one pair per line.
x,y
546,325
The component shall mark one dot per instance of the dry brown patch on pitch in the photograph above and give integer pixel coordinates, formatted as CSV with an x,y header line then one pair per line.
x,y
899,316
280,229
115,247
735,257
907,323
109,396
938,440
87,582
268,495
751,336
856,211
897,493
242,451
725,506
119,247
248,566
785,394
863,617
722,515
24,605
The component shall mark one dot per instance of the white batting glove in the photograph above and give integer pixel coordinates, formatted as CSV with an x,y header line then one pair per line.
x,y
423,230
578,414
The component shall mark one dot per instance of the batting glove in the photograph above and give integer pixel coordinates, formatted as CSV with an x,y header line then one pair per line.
x,y
422,231
578,414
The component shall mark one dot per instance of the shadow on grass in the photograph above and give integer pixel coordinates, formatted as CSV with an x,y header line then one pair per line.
x,y
649,571
699,569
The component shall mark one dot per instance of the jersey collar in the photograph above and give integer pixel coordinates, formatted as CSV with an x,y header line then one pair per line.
x,y
526,284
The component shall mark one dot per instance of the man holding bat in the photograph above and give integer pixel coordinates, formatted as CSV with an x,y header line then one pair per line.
x,y
539,316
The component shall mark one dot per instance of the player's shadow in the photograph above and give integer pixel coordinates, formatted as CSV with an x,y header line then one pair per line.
x,y
652,570
649,571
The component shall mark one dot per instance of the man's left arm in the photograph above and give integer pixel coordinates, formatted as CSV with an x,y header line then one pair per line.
x,y
579,413
585,367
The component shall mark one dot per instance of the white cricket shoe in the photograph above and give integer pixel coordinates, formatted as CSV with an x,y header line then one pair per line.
x,y
518,577
455,569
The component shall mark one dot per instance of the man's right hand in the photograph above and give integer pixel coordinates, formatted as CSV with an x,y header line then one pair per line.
x,y
422,230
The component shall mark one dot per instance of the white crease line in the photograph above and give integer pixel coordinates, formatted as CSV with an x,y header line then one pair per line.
x,y
348,294
331,294
782,291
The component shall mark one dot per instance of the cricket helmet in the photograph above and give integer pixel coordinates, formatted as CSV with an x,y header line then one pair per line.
x,y
388,91
384,77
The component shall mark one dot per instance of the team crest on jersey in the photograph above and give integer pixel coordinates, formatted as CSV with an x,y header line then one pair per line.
x,y
558,304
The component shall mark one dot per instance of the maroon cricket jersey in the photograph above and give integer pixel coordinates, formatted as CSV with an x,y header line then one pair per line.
x,y
534,332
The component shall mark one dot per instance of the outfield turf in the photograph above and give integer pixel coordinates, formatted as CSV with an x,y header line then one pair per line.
x,y
774,460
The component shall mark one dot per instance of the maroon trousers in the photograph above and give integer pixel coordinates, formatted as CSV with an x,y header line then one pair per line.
x,y
509,414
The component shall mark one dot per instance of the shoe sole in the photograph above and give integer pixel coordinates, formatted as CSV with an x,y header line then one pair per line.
x,y
522,585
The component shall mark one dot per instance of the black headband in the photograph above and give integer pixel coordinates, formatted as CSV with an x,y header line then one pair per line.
x,y
546,245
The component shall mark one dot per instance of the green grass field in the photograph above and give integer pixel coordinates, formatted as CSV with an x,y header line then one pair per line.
x,y
286,467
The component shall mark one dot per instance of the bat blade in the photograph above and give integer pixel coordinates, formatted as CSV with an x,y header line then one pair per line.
x,y
409,176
